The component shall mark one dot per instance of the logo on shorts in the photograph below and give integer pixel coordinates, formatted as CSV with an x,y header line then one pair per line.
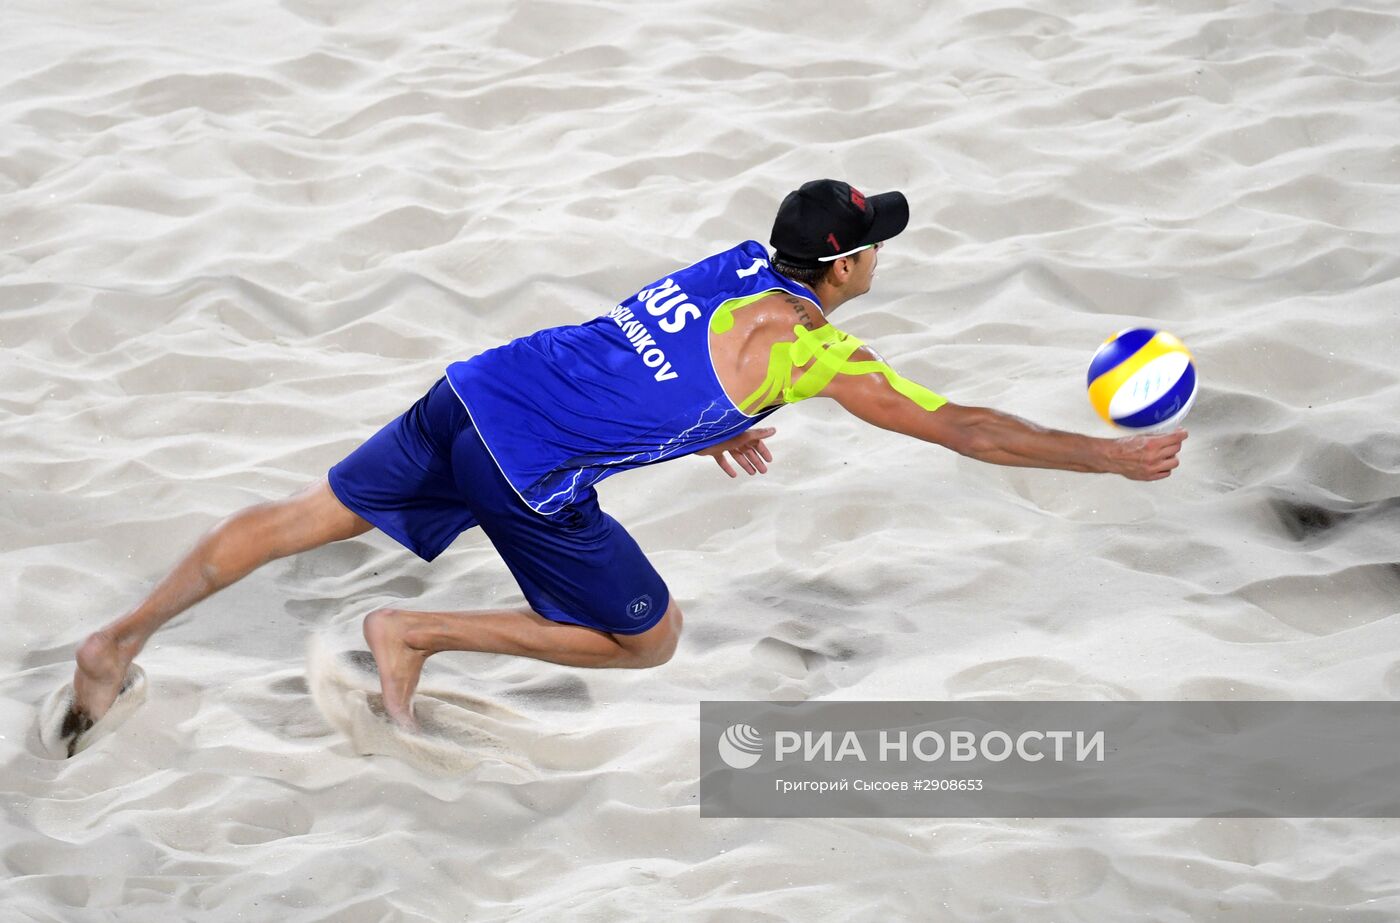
x,y
639,607
740,746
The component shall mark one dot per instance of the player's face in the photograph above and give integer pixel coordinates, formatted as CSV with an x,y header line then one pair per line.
x,y
863,268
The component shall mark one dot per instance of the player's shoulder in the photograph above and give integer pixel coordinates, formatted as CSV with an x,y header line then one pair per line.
x,y
772,315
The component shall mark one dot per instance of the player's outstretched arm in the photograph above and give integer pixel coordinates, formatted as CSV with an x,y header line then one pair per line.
x,y
1002,439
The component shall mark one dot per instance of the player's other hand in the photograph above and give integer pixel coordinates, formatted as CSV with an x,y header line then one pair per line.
x,y
747,450
1145,458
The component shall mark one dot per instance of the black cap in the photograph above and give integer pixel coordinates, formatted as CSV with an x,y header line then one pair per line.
x,y
827,218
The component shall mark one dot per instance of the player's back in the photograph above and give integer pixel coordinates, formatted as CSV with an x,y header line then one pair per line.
x,y
567,406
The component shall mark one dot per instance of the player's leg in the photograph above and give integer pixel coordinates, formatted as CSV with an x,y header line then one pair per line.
x,y
594,598
402,640
228,552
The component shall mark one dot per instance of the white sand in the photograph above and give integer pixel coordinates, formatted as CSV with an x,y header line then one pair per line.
x,y
238,237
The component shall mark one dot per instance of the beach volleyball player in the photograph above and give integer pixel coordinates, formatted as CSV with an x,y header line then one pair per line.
x,y
514,440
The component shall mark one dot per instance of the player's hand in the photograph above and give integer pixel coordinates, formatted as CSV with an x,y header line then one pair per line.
x,y
1146,458
747,449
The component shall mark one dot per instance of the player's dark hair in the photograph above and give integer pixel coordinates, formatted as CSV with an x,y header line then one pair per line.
x,y
805,273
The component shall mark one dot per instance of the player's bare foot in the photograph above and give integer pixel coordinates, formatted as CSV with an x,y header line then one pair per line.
x,y
400,665
98,678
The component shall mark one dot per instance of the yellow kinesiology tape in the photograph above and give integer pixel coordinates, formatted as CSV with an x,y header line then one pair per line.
x,y
828,352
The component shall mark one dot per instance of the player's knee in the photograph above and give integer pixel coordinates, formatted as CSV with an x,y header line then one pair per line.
x,y
654,655
656,645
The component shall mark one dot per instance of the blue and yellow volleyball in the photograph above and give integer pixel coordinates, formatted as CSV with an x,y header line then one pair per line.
x,y
1142,379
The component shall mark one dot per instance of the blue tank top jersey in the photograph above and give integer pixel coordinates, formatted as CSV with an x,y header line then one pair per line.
x,y
564,408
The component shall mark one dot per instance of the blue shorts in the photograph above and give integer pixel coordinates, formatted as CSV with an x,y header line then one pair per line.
x,y
427,477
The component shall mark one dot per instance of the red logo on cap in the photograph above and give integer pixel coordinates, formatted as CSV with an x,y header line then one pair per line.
x,y
831,239
858,198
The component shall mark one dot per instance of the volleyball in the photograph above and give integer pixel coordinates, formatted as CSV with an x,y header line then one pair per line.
x,y
1142,379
